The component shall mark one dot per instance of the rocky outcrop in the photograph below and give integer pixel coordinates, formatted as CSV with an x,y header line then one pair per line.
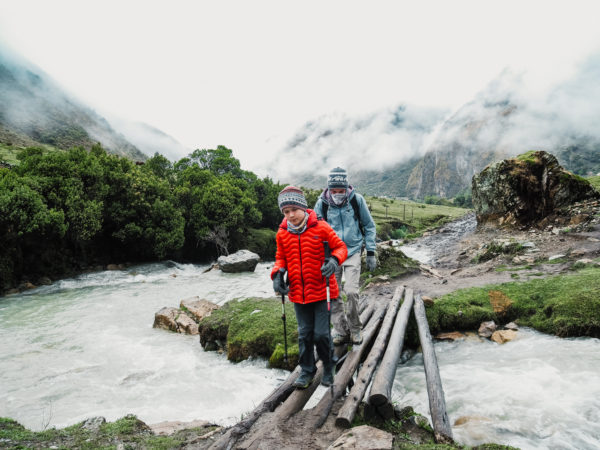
x,y
522,191
184,320
240,261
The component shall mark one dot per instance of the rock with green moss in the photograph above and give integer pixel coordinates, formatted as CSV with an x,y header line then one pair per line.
x,y
524,190
391,263
252,328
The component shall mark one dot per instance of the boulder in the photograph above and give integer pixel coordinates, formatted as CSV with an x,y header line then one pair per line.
x,y
363,437
198,308
502,336
165,317
240,261
174,319
486,329
511,326
522,191
185,324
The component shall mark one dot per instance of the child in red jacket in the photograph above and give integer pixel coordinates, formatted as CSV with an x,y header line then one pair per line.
x,y
300,252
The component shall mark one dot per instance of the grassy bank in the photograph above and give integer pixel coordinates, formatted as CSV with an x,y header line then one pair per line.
x,y
565,305
401,219
595,181
127,432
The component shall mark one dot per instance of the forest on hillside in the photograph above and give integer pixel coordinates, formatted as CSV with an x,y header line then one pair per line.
x,y
66,211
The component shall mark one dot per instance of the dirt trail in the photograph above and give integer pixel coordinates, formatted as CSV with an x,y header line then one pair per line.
x,y
452,248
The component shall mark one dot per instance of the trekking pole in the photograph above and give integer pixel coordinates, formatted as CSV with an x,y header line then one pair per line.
x,y
327,256
285,352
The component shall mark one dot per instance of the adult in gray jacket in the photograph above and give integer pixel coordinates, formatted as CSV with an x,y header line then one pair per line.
x,y
347,213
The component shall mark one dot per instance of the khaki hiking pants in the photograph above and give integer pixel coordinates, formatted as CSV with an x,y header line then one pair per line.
x,y
345,317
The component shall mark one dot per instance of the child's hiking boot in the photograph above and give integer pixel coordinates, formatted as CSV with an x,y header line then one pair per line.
x,y
303,381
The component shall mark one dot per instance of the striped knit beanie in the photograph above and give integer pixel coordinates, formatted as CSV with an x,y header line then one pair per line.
x,y
292,196
338,179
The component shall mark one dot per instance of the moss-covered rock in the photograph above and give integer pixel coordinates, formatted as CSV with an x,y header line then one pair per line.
x,y
392,262
522,191
252,328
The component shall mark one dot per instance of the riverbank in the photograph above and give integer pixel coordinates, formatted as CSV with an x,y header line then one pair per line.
x,y
426,281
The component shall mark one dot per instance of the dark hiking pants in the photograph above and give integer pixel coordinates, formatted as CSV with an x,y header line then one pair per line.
x,y
313,329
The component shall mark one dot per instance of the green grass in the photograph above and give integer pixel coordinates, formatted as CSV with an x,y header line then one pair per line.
x,y
410,217
128,430
595,181
10,153
565,305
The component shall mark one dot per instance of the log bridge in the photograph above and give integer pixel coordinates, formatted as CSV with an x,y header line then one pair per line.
x,y
280,420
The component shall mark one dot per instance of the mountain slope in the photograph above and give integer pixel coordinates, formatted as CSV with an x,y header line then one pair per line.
x,y
33,107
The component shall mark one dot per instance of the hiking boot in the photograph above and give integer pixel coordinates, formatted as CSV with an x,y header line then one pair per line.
x,y
357,337
303,381
328,375
339,339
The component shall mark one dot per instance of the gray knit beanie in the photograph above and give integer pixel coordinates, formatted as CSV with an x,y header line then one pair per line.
x,y
337,179
292,196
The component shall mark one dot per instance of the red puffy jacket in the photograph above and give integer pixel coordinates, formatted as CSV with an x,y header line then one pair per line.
x,y
303,255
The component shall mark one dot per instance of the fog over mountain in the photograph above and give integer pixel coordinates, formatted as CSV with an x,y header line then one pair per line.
x,y
35,110
442,150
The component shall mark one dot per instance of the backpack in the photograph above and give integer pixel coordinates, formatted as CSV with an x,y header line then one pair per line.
x,y
355,207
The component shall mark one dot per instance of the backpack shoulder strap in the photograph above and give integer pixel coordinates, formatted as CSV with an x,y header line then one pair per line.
x,y
324,208
356,208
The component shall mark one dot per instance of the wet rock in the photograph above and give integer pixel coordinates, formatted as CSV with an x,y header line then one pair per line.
x,y
486,329
451,336
93,424
502,336
363,437
44,281
198,308
523,191
26,286
185,324
113,267
240,261
165,317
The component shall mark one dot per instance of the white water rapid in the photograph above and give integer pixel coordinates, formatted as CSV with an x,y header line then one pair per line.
x,y
85,347
537,392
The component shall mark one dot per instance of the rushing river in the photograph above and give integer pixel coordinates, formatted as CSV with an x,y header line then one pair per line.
x,y
85,347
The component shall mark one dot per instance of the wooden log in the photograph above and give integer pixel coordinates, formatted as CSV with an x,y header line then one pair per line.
x,y
321,411
297,399
228,439
442,430
381,389
348,410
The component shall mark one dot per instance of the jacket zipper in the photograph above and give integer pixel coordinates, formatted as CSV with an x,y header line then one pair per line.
x,y
301,272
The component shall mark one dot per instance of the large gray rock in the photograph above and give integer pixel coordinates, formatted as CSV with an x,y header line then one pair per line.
x,y
364,437
240,261
524,190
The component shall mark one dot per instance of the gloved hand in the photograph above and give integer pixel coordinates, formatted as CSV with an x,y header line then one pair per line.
x,y
329,267
371,261
279,285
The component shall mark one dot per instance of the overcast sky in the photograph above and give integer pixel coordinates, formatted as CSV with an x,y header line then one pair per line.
x,y
247,74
